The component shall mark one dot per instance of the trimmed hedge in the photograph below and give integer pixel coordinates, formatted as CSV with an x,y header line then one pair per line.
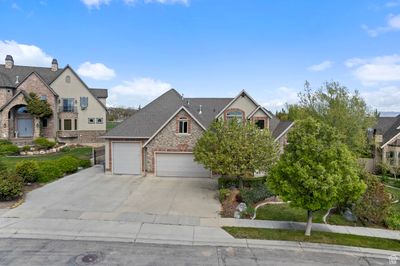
x,y
8,149
229,182
255,194
43,143
28,170
49,171
11,186
68,164
86,163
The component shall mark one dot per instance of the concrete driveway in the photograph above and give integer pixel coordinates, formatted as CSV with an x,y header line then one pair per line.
x,y
90,194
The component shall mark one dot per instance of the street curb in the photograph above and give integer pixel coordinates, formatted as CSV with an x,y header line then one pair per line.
x,y
243,243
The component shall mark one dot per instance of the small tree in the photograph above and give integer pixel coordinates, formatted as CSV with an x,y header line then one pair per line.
x,y
235,149
38,108
390,168
317,170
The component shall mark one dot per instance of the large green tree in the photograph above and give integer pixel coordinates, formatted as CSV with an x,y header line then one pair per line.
x,y
38,108
235,149
335,105
317,170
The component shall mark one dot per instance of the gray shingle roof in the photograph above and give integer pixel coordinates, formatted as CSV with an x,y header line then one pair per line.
x,y
388,127
99,93
8,76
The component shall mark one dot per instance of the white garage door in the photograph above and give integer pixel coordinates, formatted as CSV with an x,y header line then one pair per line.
x,y
179,165
127,158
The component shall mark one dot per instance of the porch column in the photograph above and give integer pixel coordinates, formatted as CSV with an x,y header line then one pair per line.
x,y
36,127
4,125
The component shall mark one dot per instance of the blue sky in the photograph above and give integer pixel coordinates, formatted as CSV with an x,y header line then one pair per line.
x,y
140,48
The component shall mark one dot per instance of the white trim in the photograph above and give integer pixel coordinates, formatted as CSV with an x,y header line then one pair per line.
x,y
169,120
234,99
255,111
112,155
387,142
284,132
172,152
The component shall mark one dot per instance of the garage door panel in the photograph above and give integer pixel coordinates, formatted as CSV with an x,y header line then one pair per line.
x,y
127,158
179,165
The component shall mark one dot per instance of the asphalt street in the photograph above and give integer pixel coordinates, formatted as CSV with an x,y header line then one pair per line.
x,y
70,252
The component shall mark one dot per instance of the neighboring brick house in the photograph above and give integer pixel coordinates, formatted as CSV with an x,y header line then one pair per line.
x,y
79,112
159,139
386,136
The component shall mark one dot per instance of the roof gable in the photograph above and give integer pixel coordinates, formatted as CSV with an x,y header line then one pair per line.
x,y
41,80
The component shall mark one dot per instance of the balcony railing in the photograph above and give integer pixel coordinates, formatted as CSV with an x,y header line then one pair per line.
x,y
67,109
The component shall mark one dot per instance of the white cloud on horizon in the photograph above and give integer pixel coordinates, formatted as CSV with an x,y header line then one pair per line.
x,y
96,71
95,3
279,97
377,70
385,99
137,91
392,24
98,3
321,66
24,54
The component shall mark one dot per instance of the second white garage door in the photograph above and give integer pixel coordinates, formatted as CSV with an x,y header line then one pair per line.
x,y
179,165
127,158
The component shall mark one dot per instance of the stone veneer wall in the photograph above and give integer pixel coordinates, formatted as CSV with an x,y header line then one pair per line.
x,y
83,136
169,140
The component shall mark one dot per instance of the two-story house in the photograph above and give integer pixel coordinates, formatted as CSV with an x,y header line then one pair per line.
x,y
79,112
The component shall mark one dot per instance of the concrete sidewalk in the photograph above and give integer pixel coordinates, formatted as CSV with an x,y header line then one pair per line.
x,y
353,230
133,232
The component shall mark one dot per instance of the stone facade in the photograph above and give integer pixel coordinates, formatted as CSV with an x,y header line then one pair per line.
x,y
168,139
82,136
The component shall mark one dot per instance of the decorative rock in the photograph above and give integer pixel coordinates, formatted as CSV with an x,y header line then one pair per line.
x,y
36,152
241,207
42,152
22,153
32,148
29,153
349,216
236,215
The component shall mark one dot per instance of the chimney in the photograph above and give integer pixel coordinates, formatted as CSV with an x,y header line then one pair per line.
x,y
54,65
9,62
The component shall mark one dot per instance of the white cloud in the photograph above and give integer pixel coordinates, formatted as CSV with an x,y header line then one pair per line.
x,y
320,67
392,24
95,3
183,2
384,99
392,4
377,70
24,54
96,71
279,97
137,91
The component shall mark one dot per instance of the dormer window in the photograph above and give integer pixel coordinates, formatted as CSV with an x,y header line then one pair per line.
x,y
260,123
68,79
235,114
183,125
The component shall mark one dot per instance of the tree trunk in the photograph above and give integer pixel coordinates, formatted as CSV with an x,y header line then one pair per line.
x,y
240,182
309,223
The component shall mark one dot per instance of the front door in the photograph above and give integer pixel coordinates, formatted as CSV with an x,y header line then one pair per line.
x,y
25,127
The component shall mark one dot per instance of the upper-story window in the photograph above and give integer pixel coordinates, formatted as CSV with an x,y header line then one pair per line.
x,y
22,110
43,97
260,123
183,125
235,114
68,105
68,79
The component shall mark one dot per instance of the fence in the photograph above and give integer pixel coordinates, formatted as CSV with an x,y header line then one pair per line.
x,y
99,155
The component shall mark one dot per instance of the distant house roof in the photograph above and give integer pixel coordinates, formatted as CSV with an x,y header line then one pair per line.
x,y
145,122
388,127
99,93
8,77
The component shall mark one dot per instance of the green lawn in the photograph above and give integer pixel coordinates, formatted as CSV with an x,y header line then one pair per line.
x,y
79,152
111,124
316,237
283,212
396,193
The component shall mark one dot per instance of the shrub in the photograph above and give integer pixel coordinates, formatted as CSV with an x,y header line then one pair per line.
x,y
223,194
374,204
5,142
28,170
229,182
65,149
11,186
255,194
248,213
26,148
392,221
8,149
49,171
43,143
68,164
384,178
85,163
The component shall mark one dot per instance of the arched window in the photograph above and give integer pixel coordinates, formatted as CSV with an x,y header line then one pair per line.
x,y
22,110
235,114
68,79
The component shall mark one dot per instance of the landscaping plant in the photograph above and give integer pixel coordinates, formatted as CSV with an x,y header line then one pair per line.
x,y
68,164
28,170
236,149
316,170
11,186
44,143
38,108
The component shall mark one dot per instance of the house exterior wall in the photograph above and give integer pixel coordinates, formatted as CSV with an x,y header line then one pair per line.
x,y
169,140
243,103
34,84
76,89
5,123
5,95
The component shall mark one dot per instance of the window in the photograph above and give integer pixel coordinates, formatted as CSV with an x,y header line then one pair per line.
x,y
22,110
237,114
44,123
68,105
260,123
99,120
91,120
43,98
183,125
76,124
390,157
84,102
67,124
67,79
59,124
